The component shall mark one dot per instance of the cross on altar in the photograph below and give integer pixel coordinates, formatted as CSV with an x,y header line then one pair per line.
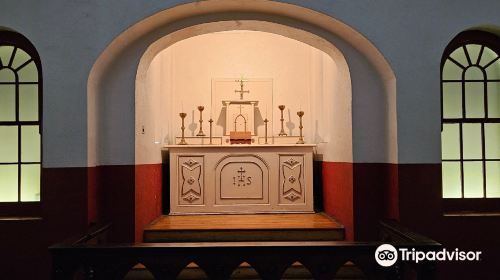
x,y
241,176
241,91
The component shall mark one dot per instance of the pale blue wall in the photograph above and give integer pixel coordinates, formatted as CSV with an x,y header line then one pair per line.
x,y
70,35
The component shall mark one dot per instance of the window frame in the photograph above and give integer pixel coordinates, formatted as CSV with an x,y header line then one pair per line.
x,y
26,208
472,205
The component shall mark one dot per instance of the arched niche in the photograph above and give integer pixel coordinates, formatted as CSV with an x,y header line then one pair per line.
x,y
112,80
330,108
370,99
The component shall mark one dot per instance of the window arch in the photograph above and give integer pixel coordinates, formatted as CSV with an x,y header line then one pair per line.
x,y
470,137
20,120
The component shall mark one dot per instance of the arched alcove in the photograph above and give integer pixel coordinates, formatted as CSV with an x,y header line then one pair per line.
x,y
368,111
172,74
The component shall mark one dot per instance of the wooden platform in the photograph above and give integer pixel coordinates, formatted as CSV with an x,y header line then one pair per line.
x,y
263,227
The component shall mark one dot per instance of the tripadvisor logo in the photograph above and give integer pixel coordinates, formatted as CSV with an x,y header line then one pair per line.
x,y
387,255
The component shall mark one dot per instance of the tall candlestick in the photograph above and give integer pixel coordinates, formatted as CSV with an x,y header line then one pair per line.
x,y
183,141
301,139
282,132
200,133
265,134
210,121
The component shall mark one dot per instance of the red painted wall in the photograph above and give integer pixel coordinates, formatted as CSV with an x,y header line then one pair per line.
x,y
375,197
93,206
116,184
421,211
148,194
128,196
358,195
338,194
24,243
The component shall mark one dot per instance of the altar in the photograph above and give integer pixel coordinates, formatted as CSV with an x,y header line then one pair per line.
x,y
241,178
238,164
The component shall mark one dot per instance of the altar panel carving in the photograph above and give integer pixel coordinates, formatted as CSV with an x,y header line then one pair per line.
x,y
242,179
191,180
239,179
291,180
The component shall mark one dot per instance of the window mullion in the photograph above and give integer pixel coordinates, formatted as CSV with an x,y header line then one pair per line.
x,y
11,60
18,133
491,62
467,55
480,54
461,161
483,144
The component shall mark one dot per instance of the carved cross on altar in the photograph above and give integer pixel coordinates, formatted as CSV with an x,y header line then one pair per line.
x,y
241,91
242,180
241,177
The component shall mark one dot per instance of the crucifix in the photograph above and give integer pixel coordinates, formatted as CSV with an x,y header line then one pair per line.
x,y
241,91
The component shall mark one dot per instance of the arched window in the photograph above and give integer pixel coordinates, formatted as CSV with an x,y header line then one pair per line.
x,y
470,137
20,120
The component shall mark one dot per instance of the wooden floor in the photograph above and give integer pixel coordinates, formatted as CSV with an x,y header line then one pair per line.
x,y
260,227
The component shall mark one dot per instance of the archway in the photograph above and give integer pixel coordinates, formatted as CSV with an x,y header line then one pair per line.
x,y
111,90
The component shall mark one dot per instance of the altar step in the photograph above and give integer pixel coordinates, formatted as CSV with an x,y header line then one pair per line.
x,y
255,227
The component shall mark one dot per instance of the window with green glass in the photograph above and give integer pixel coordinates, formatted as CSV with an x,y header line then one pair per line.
x,y
470,136
20,120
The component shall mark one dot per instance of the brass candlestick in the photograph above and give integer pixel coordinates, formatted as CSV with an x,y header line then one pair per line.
x,y
282,132
200,133
265,134
183,141
301,139
210,121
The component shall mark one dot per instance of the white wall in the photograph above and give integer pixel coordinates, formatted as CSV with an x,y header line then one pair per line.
x,y
302,78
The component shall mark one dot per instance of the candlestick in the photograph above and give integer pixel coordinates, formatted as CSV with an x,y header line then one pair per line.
x,y
282,132
210,121
200,133
183,141
301,139
265,134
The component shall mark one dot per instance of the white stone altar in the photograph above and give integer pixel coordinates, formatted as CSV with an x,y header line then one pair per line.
x,y
241,178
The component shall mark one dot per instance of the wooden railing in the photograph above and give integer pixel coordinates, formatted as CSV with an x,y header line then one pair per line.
x,y
93,259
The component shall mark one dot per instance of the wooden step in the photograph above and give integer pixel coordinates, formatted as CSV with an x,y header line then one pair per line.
x,y
260,227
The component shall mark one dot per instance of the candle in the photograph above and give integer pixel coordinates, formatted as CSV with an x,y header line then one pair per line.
x,y
266,111
182,106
